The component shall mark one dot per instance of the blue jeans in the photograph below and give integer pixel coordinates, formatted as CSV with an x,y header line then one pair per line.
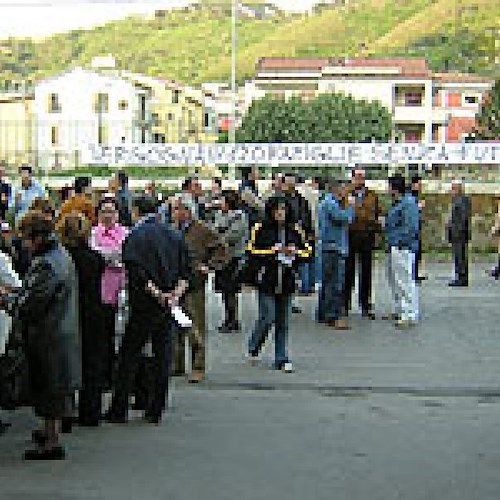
x,y
307,276
277,310
331,295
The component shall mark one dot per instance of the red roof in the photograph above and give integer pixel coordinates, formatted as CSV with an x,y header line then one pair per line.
x,y
409,66
292,63
460,78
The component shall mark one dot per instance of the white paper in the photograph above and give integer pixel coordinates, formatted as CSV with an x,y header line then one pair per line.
x,y
181,318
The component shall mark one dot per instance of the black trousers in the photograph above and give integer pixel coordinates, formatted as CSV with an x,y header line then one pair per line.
x,y
140,328
418,259
461,260
363,250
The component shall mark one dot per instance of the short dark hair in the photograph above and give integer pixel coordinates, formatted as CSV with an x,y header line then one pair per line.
x,y
415,179
81,183
398,183
187,182
122,178
231,198
107,199
217,181
26,168
145,205
245,172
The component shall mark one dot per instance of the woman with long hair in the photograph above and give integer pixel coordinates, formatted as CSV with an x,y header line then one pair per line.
x,y
276,247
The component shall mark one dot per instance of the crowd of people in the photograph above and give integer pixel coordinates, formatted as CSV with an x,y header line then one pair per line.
x,y
68,273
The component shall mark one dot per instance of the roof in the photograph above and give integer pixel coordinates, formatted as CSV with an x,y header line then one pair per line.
x,y
292,63
408,66
460,78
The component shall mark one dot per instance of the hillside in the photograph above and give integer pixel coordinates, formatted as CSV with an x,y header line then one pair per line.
x,y
194,44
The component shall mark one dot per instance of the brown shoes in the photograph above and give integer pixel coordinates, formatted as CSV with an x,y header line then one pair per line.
x,y
195,377
339,324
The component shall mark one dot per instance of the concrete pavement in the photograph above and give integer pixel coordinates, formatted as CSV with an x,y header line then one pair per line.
x,y
372,413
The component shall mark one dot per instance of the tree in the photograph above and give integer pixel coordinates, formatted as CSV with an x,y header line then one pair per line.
x,y
488,120
328,118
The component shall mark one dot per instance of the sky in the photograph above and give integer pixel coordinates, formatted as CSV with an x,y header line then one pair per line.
x,y
39,18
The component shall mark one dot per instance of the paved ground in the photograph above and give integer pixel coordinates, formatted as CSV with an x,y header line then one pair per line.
x,y
373,413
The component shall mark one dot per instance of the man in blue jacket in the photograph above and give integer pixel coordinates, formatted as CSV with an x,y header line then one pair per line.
x,y
402,232
333,234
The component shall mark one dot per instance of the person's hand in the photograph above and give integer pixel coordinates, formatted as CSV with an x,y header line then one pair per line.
x,y
421,204
171,299
202,268
289,250
277,248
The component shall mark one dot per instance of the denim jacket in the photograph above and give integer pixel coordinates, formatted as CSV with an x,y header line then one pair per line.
x,y
402,224
334,224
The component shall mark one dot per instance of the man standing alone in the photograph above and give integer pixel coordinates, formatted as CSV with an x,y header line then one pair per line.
x,y
459,233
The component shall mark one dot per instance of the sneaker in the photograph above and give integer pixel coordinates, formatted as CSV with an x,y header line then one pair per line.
x,y
405,323
56,453
287,367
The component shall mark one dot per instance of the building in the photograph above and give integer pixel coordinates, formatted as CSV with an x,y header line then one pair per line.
x,y
425,106
16,127
84,107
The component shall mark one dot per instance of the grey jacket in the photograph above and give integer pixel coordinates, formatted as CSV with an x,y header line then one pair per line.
x,y
47,305
459,226
232,226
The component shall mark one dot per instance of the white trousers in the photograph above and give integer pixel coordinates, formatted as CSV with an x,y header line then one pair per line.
x,y
400,270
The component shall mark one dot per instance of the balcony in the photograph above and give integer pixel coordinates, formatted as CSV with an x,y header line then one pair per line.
x,y
413,114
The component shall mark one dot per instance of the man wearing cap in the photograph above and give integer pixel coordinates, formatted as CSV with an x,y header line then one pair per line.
x,y
23,196
362,241
459,233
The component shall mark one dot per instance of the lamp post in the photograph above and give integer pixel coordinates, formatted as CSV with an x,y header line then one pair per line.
x,y
232,121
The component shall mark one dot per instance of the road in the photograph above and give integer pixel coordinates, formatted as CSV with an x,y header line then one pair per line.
x,y
372,413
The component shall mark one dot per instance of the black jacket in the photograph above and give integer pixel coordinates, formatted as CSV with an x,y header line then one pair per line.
x,y
459,229
270,274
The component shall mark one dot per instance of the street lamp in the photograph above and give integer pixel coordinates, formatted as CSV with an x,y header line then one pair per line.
x,y
232,122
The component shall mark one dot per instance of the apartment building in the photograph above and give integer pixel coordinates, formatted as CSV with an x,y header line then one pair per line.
x,y
425,106
16,127
84,107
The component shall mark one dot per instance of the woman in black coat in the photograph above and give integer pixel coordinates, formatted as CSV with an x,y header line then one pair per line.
x,y
47,306
276,247
74,231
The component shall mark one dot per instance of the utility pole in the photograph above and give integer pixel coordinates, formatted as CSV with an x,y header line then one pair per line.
x,y
232,122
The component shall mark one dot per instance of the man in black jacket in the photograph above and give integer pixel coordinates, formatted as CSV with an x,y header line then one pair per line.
x,y
156,260
458,229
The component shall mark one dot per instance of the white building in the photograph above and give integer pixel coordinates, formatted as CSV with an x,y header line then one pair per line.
x,y
83,107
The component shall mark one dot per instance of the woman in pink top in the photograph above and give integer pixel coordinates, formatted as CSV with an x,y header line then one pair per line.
x,y
107,238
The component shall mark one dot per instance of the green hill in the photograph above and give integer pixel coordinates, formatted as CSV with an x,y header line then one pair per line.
x,y
194,44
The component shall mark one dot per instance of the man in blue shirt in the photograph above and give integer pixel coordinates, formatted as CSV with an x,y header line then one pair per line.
x,y
23,196
402,232
334,237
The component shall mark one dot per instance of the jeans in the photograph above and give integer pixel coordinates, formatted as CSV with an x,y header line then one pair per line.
x,y
277,310
307,276
331,295
400,267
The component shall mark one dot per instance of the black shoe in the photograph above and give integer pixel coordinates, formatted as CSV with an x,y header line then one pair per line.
x,y
88,422
56,453
366,313
419,279
296,310
3,427
114,418
229,328
152,419
458,283
39,437
67,424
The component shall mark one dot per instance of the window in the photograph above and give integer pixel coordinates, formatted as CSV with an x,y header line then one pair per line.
x,y
206,121
471,99
54,135
54,104
101,103
413,99
170,116
155,119
176,96
102,134
122,104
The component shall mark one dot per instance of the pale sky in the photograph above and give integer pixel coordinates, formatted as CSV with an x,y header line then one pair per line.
x,y
39,18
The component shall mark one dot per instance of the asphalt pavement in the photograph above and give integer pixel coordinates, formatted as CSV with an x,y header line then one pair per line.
x,y
371,413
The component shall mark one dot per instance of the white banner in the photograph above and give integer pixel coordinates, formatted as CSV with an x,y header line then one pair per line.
x,y
293,154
